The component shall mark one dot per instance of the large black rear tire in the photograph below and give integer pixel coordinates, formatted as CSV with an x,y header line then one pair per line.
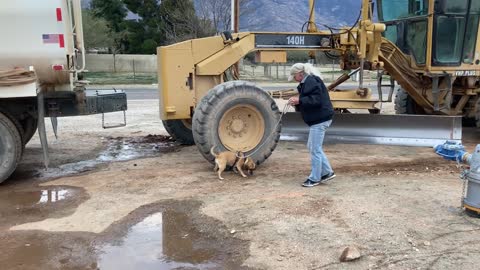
x,y
404,104
180,130
29,125
11,147
237,116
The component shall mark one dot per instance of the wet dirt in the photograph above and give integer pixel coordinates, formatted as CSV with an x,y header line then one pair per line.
x,y
116,149
398,205
164,235
397,168
41,250
128,148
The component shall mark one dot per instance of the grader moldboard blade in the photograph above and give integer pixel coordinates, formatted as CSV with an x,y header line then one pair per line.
x,y
406,130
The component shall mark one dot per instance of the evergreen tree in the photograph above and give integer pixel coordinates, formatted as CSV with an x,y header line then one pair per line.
x,y
114,13
96,33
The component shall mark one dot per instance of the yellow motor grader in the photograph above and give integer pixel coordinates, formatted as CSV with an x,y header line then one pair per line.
x,y
428,48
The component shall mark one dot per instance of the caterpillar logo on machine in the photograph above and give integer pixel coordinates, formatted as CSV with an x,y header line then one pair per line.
x,y
461,73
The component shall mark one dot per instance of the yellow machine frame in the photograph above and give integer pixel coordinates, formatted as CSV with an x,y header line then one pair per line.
x,y
188,70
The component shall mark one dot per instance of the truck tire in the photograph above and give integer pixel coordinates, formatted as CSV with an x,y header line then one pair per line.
x,y
17,125
404,104
237,116
180,130
29,126
11,147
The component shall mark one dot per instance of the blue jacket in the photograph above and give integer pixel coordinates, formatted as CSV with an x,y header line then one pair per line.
x,y
315,105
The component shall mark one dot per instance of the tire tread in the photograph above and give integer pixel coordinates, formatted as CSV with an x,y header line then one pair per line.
x,y
203,125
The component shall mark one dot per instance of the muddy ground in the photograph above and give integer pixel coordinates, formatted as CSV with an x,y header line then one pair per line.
x,y
121,199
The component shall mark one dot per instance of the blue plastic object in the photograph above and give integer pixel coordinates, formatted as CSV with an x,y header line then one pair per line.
x,y
451,150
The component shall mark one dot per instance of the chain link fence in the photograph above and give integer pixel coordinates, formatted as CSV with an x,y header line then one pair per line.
x,y
280,72
123,69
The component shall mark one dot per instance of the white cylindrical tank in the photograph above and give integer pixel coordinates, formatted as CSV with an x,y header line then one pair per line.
x,y
39,34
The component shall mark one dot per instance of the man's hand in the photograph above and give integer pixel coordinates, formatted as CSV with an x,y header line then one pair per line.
x,y
293,101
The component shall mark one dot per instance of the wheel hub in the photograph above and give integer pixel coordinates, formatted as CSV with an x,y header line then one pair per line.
x,y
241,128
237,126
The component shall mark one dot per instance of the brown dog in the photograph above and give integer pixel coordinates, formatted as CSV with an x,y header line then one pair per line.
x,y
236,160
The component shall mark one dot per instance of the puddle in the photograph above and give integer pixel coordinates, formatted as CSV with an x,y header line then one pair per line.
x,y
30,204
25,199
118,149
166,235
160,241
123,149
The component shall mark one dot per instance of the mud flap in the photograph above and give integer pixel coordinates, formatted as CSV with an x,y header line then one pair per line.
x,y
406,130
42,130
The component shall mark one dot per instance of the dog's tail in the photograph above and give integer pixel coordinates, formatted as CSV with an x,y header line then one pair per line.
x,y
213,153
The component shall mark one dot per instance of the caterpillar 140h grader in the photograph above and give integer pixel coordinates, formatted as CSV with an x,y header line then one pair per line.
x,y
429,48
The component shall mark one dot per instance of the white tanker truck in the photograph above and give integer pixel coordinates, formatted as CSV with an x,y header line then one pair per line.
x,y
41,56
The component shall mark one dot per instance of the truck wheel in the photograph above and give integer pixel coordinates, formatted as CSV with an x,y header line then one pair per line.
x,y
11,147
237,116
404,104
180,130
29,125
18,126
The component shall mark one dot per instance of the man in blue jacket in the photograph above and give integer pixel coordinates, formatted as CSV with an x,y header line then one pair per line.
x,y
316,108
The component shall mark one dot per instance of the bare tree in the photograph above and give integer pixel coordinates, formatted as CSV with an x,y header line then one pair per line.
x,y
180,22
219,12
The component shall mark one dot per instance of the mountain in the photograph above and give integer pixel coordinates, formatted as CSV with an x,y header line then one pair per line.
x,y
290,15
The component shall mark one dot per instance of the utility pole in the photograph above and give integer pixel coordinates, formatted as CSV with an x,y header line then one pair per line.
x,y
236,28
312,27
235,16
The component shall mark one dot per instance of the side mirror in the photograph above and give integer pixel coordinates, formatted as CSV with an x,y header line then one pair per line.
x,y
227,35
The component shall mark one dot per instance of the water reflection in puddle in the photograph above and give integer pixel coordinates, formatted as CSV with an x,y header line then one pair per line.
x,y
21,199
160,241
53,196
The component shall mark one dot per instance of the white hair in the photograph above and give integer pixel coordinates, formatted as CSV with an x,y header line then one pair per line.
x,y
306,68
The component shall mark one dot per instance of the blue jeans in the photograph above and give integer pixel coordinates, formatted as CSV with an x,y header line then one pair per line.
x,y
320,164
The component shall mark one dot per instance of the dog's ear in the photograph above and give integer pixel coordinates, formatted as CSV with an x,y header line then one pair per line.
x,y
250,163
